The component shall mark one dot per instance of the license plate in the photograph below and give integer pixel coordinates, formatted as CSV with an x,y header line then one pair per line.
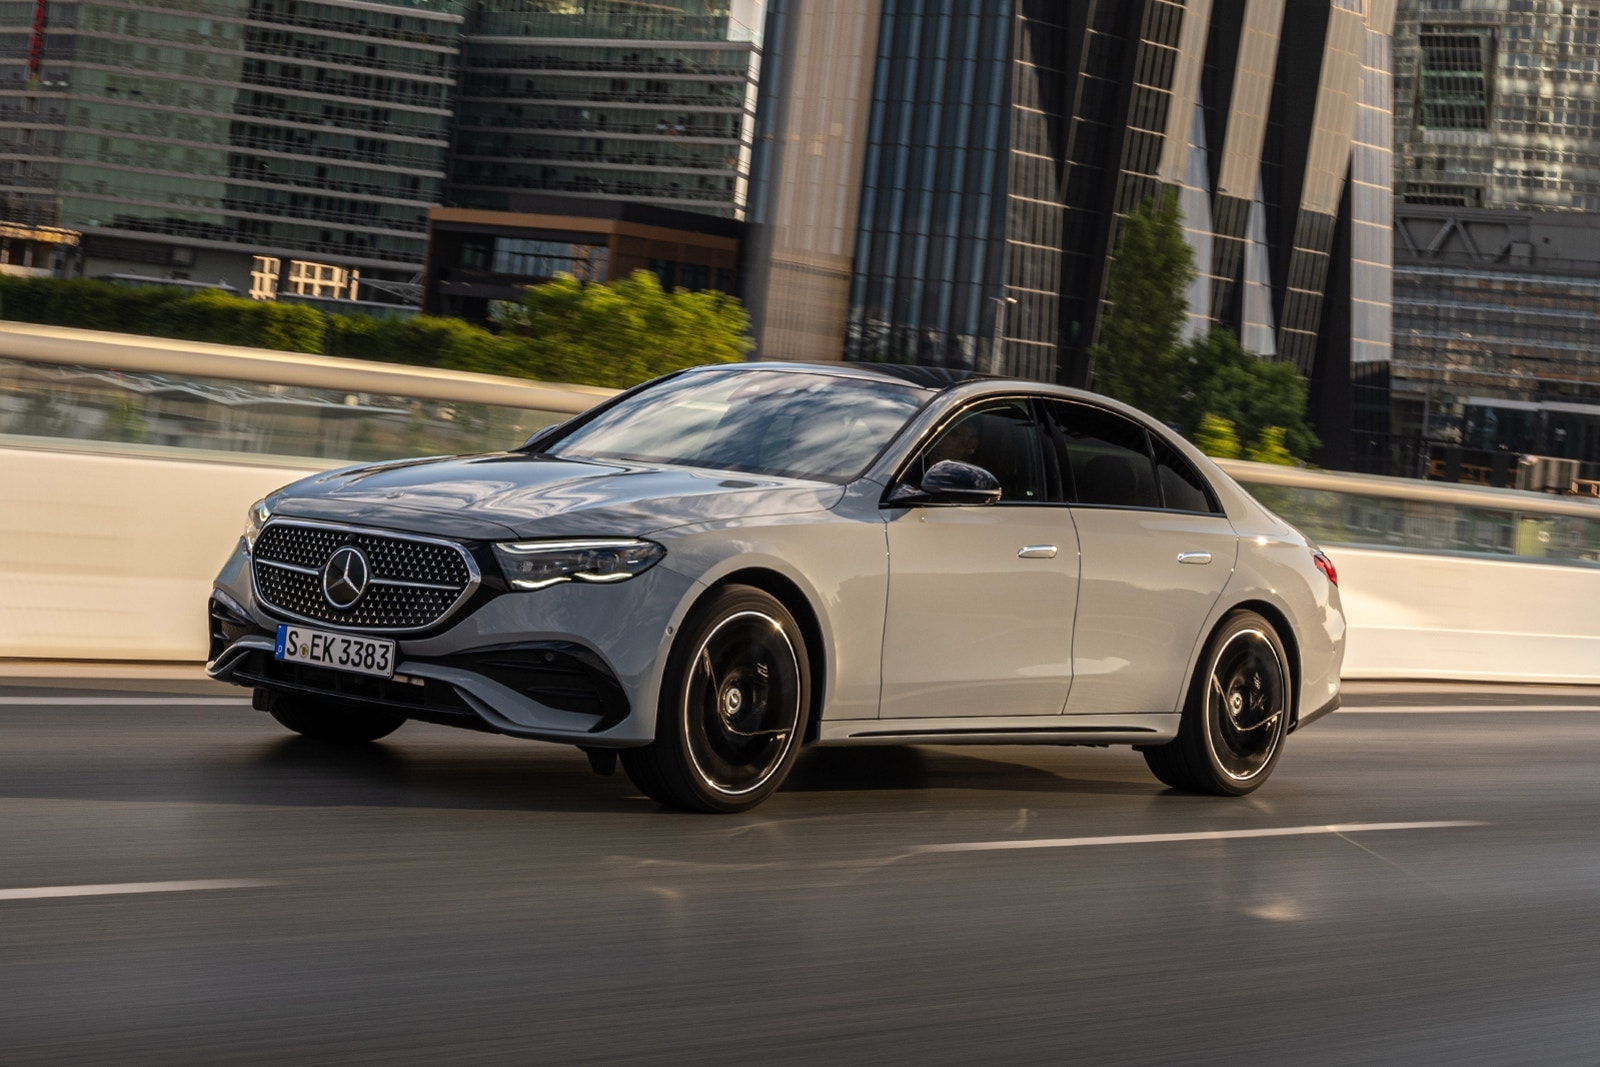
x,y
342,652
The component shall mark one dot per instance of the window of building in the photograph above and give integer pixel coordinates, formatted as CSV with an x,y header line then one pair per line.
x,y
1454,79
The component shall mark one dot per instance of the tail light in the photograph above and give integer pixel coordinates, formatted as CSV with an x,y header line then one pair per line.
x,y
1325,565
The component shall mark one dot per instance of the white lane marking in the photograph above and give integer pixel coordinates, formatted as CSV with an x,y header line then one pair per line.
x,y
1206,835
51,892
125,702
1460,709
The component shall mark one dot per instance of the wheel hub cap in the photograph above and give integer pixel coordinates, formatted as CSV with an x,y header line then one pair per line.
x,y
1248,686
742,703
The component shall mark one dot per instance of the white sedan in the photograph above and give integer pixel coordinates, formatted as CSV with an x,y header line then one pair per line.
x,y
708,572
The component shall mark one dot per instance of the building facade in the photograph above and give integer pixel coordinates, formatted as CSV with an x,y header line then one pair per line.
x,y
646,102
184,140
1000,142
1496,321
477,257
1497,273
1497,104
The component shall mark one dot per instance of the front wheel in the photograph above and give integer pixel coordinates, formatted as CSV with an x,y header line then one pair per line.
x,y
734,703
1237,714
326,721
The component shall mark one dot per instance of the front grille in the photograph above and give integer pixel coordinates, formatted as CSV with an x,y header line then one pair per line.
x,y
415,583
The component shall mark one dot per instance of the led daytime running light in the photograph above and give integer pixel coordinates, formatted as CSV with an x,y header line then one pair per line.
x,y
532,565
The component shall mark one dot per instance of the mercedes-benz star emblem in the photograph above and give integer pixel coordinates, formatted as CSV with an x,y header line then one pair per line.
x,y
345,577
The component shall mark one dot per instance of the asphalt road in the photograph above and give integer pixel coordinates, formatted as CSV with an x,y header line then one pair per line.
x,y
183,883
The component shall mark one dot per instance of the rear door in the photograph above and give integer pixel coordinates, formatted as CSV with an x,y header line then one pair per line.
x,y
1156,551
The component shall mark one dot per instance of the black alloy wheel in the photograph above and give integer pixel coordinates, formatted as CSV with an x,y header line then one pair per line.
x,y
734,705
1237,714
325,720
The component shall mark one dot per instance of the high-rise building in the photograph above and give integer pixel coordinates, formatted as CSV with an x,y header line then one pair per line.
x,y
1497,104
183,140
1000,142
609,100
1497,170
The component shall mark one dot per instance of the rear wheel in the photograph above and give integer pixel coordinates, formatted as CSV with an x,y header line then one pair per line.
x,y
327,721
1236,716
733,706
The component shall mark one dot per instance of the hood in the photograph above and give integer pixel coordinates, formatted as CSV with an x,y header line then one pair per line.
x,y
514,494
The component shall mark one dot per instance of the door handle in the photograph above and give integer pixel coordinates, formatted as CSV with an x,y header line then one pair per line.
x,y
1037,552
1194,557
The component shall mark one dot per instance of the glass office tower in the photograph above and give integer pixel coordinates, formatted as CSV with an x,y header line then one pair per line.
x,y
183,139
609,100
1003,140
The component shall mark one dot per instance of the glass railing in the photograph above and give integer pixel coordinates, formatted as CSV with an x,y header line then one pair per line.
x,y
301,412
79,389
1402,514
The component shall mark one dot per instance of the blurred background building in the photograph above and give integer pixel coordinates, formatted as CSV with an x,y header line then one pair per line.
x,y
650,102
183,141
1497,239
999,143
477,257
900,180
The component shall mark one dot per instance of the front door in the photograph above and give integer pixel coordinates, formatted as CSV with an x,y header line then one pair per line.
x,y
982,598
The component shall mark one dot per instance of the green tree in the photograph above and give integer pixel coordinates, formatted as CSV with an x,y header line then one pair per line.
x,y
1268,448
1140,359
1253,394
1137,359
1216,436
620,333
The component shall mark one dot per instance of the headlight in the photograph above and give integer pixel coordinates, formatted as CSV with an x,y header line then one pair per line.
x,y
536,564
254,521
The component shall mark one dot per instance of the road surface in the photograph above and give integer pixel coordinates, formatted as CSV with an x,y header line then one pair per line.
x,y
183,883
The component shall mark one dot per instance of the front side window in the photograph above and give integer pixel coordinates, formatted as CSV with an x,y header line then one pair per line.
x,y
1002,438
816,426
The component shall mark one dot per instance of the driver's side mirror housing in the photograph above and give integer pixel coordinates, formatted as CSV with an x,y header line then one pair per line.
x,y
950,481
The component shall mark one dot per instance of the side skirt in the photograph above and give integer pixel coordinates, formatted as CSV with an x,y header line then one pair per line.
x,y
1151,729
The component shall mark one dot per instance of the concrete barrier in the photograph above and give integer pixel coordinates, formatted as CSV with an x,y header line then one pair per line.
x,y
1414,616
110,557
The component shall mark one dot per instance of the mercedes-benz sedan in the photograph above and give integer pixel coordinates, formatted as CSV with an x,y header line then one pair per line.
x,y
710,571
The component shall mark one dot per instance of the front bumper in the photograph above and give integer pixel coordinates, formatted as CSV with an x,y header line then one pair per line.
x,y
572,663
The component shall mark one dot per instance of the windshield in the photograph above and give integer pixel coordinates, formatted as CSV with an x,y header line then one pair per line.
x,y
794,425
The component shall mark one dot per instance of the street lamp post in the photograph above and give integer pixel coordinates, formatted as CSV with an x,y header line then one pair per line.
x,y
1001,304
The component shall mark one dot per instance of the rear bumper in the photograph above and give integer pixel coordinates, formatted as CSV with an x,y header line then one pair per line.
x,y
1326,709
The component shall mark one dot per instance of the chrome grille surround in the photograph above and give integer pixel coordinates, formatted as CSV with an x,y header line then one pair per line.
x,y
417,582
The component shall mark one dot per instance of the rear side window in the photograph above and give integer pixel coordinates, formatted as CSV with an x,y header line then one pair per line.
x,y
1182,488
1111,461
1106,458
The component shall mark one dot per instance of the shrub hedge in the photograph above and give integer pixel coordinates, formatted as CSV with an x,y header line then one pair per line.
x,y
421,340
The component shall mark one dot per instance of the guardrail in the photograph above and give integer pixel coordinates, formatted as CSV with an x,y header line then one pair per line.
x,y
126,464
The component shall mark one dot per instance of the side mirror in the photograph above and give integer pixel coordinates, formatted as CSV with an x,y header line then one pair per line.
x,y
950,481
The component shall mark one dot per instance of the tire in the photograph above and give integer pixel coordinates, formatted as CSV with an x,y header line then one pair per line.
x,y
1236,716
735,699
327,721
